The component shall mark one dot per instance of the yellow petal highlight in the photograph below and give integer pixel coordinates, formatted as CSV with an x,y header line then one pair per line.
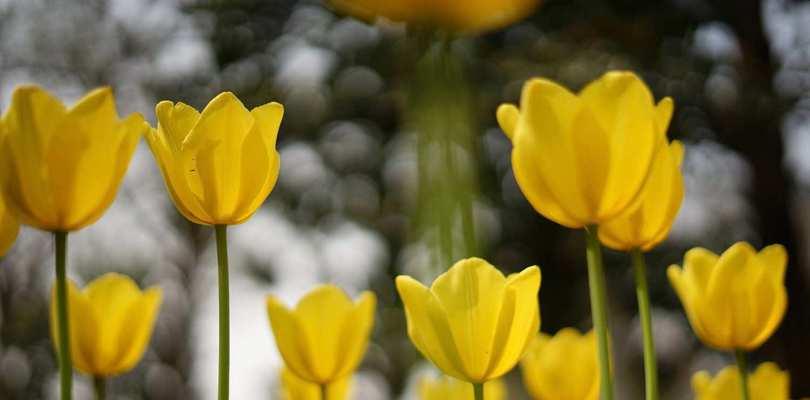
x,y
583,159
561,367
9,224
111,323
220,165
448,388
295,388
61,168
325,337
473,323
734,301
767,382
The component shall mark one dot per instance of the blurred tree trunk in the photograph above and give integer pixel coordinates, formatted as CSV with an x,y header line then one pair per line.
x,y
753,128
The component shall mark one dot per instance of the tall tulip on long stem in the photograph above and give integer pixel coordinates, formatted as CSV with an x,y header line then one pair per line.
x,y
60,169
219,166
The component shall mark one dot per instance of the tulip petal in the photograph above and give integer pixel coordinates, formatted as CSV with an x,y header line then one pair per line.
x,y
287,332
112,296
136,331
774,261
508,115
355,334
321,315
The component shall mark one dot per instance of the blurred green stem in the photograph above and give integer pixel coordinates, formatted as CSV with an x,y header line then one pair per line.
x,y
645,315
221,232
598,293
478,391
65,364
100,387
742,367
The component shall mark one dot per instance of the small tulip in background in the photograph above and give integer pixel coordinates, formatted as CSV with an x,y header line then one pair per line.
x,y
571,160
111,322
219,166
734,301
448,388
60,169
561,367
768,382
323,339
473,323
295,388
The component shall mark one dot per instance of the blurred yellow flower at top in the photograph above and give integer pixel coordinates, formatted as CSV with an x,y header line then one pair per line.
x,y
60,168
448,388
295,388
473,323
734,301
325,337
9,227
768,382
219,165
581,159
471,16
111,322
562,367
648,223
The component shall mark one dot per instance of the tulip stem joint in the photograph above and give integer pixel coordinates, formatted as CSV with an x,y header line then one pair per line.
x,y
478,391
743,370
221,233
100,387
65,364
598,293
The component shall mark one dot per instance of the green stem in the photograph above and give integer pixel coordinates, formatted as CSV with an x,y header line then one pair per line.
x,y
598,292
478,391
100,387
224,324
325,391
743,369
643,295
65,364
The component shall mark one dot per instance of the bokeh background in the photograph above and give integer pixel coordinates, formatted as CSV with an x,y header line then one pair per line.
x,y
349,208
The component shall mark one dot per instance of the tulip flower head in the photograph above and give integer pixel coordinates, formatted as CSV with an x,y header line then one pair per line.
x,y
448,388
768,382
734,301
581,159
219,165
648,223
61,167
111,322
471,16
295,388
325,337
473,323
9,226
561,367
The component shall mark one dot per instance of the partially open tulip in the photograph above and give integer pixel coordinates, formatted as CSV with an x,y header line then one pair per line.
x,y
295,388
111,322
768,382
736,300
448,388
470,16
473,323
9,226
61,167
648,223
219,165
325,337
581,159
561,367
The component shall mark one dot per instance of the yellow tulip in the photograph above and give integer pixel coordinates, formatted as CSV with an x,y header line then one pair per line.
x,y
111,322
295,388
325,337
61,167
647,224
473,323
219,165
582,159
448,388
562,367
768,382
736,300
472,16
9,227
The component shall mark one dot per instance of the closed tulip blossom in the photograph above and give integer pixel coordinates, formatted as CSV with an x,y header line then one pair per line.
x,y
561,367
111,323
295,388
60,169
768,382
473,16
448,388
473,323
323,339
